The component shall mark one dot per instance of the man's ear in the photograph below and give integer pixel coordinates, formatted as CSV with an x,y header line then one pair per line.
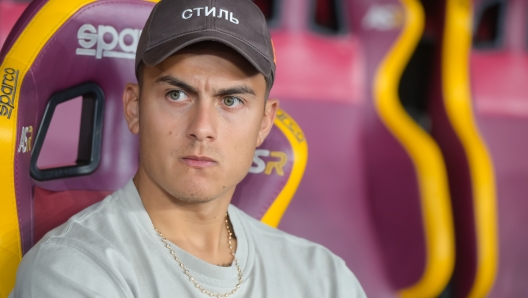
x,y
131,107
272,105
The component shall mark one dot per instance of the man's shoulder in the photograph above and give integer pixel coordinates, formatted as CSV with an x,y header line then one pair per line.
x,y
306,260
88,240
67,266
87,224
269,238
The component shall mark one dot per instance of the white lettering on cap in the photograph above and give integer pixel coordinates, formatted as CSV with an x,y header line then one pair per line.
x,y
222,13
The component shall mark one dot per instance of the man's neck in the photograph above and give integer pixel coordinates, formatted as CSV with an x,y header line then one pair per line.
x,y
198,228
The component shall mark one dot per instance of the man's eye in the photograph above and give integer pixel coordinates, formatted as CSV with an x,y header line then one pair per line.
x,y
232,101
177,95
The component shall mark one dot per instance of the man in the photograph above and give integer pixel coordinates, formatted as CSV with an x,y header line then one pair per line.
x,y
200,109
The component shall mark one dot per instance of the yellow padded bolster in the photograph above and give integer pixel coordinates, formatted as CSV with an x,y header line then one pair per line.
x,y
297,140
457,101
425,155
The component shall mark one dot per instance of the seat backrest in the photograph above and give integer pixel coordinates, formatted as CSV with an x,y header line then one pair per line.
x,y
498,66
75,56
468,164
375,189
407,179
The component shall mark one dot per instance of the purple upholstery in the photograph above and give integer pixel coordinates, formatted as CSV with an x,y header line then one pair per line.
x,y
359,195
460,184
391,178
461,193
500,96
56,68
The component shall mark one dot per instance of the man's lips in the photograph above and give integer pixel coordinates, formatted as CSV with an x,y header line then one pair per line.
x,y
197,161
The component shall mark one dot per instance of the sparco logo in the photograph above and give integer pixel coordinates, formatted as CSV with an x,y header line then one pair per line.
x,y
8,92
103,41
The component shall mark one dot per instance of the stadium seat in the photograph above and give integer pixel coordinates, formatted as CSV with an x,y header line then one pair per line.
x,y
375,189
478,110
498,65
468,163
64,142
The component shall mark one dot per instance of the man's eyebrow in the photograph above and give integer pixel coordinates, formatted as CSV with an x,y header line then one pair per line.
x,y
243,89
177,83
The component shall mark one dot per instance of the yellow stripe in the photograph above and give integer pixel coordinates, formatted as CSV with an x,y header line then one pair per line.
x,y
297,140
457,100
425,155
21,56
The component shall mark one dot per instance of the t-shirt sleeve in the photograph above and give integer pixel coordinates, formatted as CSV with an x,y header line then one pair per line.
x,y
348,284
59,270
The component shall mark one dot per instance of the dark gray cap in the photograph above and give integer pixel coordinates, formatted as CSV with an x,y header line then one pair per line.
x,y
239,24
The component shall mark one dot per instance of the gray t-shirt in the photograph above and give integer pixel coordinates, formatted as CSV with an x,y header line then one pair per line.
x,y
112,250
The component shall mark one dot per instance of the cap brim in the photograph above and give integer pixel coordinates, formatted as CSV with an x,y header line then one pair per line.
x,y
159,53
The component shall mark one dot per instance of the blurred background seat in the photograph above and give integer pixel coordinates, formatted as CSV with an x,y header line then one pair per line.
x,y
498,66
447,43
375,192
476,96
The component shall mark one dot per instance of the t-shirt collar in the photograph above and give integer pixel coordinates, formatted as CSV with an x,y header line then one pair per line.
x,y
205,272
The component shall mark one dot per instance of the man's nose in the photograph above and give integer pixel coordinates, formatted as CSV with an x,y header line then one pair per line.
x,y
202,123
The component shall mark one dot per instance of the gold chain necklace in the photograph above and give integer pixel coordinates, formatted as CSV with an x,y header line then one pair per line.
x,y
191,278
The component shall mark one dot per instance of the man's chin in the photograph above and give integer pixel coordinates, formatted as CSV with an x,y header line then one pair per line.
x,y
197,191
196,195
195,199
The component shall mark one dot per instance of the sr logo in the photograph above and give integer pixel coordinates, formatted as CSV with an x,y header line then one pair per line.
x,y
259,165
103,41
26,137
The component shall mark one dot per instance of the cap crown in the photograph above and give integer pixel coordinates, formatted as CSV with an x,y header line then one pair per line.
x,y
173,20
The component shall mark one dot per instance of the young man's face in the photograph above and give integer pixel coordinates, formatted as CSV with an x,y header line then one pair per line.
x,y
200,115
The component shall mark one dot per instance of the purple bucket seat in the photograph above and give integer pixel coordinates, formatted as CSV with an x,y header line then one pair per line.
x,y
64,141
375,189
498,65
